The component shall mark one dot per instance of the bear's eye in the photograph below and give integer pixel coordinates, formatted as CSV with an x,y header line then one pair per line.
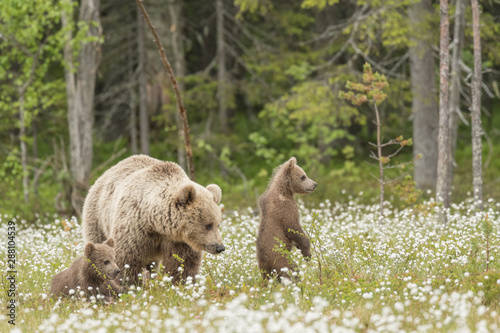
x,y
209,226
106,262
303,177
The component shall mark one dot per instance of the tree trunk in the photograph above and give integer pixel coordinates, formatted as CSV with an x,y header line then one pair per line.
x,y
221,67
22,140
175,10
132,94
424,103
143,111
380,164
455,78
80,89
35,156
443,174
477,180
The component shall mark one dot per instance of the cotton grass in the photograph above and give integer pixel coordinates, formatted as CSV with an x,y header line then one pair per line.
x,y
409,274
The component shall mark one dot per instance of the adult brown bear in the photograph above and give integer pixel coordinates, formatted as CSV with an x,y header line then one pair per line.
x,y
153,211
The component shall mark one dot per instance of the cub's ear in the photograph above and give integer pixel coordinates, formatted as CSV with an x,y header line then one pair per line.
x,y
89,248
186,195
216,192
290,164
110,242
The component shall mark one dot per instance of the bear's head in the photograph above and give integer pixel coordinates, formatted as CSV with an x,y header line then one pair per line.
x,y
199,211
102,259
296,179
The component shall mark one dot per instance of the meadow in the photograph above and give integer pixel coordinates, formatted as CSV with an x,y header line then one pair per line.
x,y
406,273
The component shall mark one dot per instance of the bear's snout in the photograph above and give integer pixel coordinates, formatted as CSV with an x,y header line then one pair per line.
x,y
311,189
219,248
114,273
215,248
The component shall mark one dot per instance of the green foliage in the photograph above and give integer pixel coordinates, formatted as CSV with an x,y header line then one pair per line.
x,y
371,90
253,6
320,4
308,122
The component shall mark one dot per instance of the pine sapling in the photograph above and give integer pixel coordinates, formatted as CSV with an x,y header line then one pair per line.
x,y
371,91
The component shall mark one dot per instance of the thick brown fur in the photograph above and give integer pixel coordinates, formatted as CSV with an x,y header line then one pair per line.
x,y
153,211
279,217
93,274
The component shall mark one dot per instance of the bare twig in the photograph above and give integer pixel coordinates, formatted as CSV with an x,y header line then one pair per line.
x,y
180,103
396,152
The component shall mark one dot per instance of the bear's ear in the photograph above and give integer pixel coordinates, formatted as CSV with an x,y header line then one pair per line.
x,y
290,164
186,195
89,248
110,242
216,192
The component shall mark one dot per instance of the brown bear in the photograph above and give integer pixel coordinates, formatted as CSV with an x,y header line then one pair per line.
x,y
279,218
156,214
90,275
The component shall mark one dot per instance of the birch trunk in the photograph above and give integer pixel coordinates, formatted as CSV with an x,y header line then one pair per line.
x,y
455,78
477,174
443,166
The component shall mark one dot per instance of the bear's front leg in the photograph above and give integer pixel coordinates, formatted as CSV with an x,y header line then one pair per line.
x,y
301,241
179,261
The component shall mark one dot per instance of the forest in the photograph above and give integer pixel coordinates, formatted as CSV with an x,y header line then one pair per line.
x,y
83,87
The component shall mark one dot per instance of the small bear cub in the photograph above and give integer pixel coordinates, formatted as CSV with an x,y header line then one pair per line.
x,y
280,218
90,275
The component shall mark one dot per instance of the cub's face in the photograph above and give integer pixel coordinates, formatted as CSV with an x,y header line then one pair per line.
x,y
103,257
299,181
201,215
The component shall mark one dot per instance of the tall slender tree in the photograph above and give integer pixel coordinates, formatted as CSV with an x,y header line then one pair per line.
x,y
221,66
455,79
443,166
132,93
176,29
80,76
477,176
143,93
424,103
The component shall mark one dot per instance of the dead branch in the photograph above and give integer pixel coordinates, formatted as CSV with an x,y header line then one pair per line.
x,y
178,97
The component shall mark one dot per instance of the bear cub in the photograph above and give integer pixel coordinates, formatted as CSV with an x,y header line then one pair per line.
x,y
90,275
280,218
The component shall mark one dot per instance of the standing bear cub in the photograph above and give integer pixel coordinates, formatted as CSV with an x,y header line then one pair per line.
x,y
92,274
156,214
279,218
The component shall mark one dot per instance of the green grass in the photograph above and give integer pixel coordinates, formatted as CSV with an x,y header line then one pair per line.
x,y
409,273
